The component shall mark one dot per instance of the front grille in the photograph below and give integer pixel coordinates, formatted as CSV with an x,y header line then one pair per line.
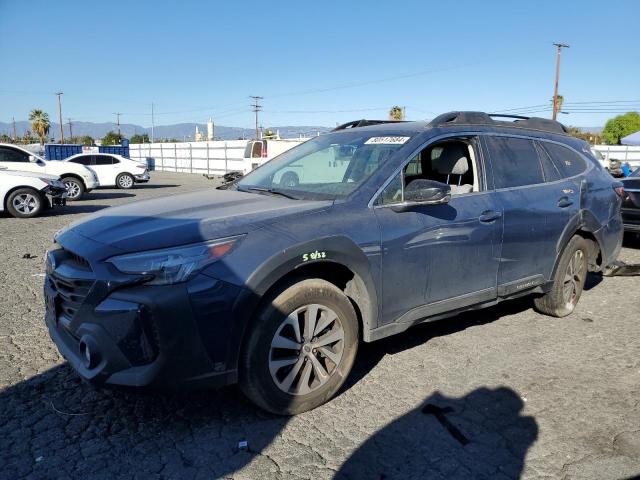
x,y
71,293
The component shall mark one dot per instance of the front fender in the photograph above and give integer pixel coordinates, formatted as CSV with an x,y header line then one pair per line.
x,y
337,250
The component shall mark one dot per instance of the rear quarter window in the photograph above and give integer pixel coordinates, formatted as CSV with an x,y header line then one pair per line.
x,y
515,162
568,162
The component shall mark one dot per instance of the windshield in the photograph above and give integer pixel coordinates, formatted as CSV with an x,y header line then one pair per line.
x,y
327,167
636,172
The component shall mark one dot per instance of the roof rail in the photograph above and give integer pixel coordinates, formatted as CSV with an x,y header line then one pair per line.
x,y
363,123
482,118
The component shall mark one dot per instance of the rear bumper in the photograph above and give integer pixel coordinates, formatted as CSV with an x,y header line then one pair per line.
x,y
144,178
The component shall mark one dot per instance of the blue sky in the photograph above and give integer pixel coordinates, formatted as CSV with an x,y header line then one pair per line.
x,y
315,63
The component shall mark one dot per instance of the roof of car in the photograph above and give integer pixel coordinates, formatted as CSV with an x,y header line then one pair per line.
x,y
462,119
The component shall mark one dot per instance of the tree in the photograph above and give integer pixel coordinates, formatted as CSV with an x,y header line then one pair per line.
x,y
560,100
396,113
40,123
592,138
144,138
621,126
86,140
112,138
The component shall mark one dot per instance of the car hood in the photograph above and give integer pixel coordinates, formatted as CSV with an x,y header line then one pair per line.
x,y
187,218
18,173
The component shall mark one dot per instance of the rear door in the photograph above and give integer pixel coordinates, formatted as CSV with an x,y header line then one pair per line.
x,y
537,204
103,166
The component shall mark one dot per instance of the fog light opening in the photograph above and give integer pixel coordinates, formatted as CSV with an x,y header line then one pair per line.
x,y
88,353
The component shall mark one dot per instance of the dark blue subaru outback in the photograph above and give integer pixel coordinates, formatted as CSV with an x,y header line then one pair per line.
x,y
352,236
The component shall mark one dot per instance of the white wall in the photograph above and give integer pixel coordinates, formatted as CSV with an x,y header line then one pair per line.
x,y
215,157
620,152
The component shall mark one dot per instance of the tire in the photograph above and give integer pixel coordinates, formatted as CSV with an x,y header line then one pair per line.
x,y
568,281
266,372
75,188
125,181
290,179
25,203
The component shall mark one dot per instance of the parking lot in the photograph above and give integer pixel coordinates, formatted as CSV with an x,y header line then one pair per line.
x,y
498,393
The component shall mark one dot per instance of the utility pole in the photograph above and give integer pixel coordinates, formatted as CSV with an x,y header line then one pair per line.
x,y
117,114
59,94
256,108
70,128
152,123
559,47
15,135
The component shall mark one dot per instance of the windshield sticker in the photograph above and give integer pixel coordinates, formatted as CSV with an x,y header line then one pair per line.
x,y
386,140
313,256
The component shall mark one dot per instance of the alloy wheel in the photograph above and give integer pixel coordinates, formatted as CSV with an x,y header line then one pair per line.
x,y
573,278
125,181
73,189
25,203
306,349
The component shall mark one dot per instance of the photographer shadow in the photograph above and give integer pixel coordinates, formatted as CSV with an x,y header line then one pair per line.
x,y
482,435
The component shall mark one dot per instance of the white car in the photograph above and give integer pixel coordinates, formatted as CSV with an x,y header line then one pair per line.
x,y
77,178
26,194
112,170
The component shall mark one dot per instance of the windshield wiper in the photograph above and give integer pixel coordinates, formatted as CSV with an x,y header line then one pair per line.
x,y
271,191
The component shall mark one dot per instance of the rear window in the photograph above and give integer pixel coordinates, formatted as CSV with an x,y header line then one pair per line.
x,y
568,162
515,162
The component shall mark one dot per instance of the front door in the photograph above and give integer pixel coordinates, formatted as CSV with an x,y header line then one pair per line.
x,y
437,258
14,159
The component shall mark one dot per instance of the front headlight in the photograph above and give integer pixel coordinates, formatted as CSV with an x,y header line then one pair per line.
x,y
177,264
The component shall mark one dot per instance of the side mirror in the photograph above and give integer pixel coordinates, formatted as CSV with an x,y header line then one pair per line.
x,y
425,192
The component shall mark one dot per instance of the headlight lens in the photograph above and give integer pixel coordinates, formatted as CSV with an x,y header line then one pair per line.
x,y
174,265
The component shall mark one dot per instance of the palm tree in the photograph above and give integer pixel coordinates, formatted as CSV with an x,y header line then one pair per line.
x,y
40,123
396,113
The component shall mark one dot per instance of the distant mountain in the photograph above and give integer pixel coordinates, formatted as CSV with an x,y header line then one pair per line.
x,y
179,131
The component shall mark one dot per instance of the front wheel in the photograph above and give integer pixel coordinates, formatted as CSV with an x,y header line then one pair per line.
x,y
125,181
568,282
25,203
75,188
300,348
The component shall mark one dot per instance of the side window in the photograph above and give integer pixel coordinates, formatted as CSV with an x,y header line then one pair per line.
x,y
568,162
515,162
103,160
11,155
82,160
551,173
452,162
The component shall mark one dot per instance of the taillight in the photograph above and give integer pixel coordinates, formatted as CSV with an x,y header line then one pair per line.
x,y
264,149
619,189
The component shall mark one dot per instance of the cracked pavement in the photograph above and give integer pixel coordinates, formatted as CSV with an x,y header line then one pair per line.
x,y
533,396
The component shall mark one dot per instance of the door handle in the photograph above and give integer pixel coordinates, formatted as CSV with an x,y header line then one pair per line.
x,y
489,216
564,202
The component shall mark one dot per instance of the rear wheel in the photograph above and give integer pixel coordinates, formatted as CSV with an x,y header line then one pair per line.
x,y
75,188
300,348
125,181
568,282
25,203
